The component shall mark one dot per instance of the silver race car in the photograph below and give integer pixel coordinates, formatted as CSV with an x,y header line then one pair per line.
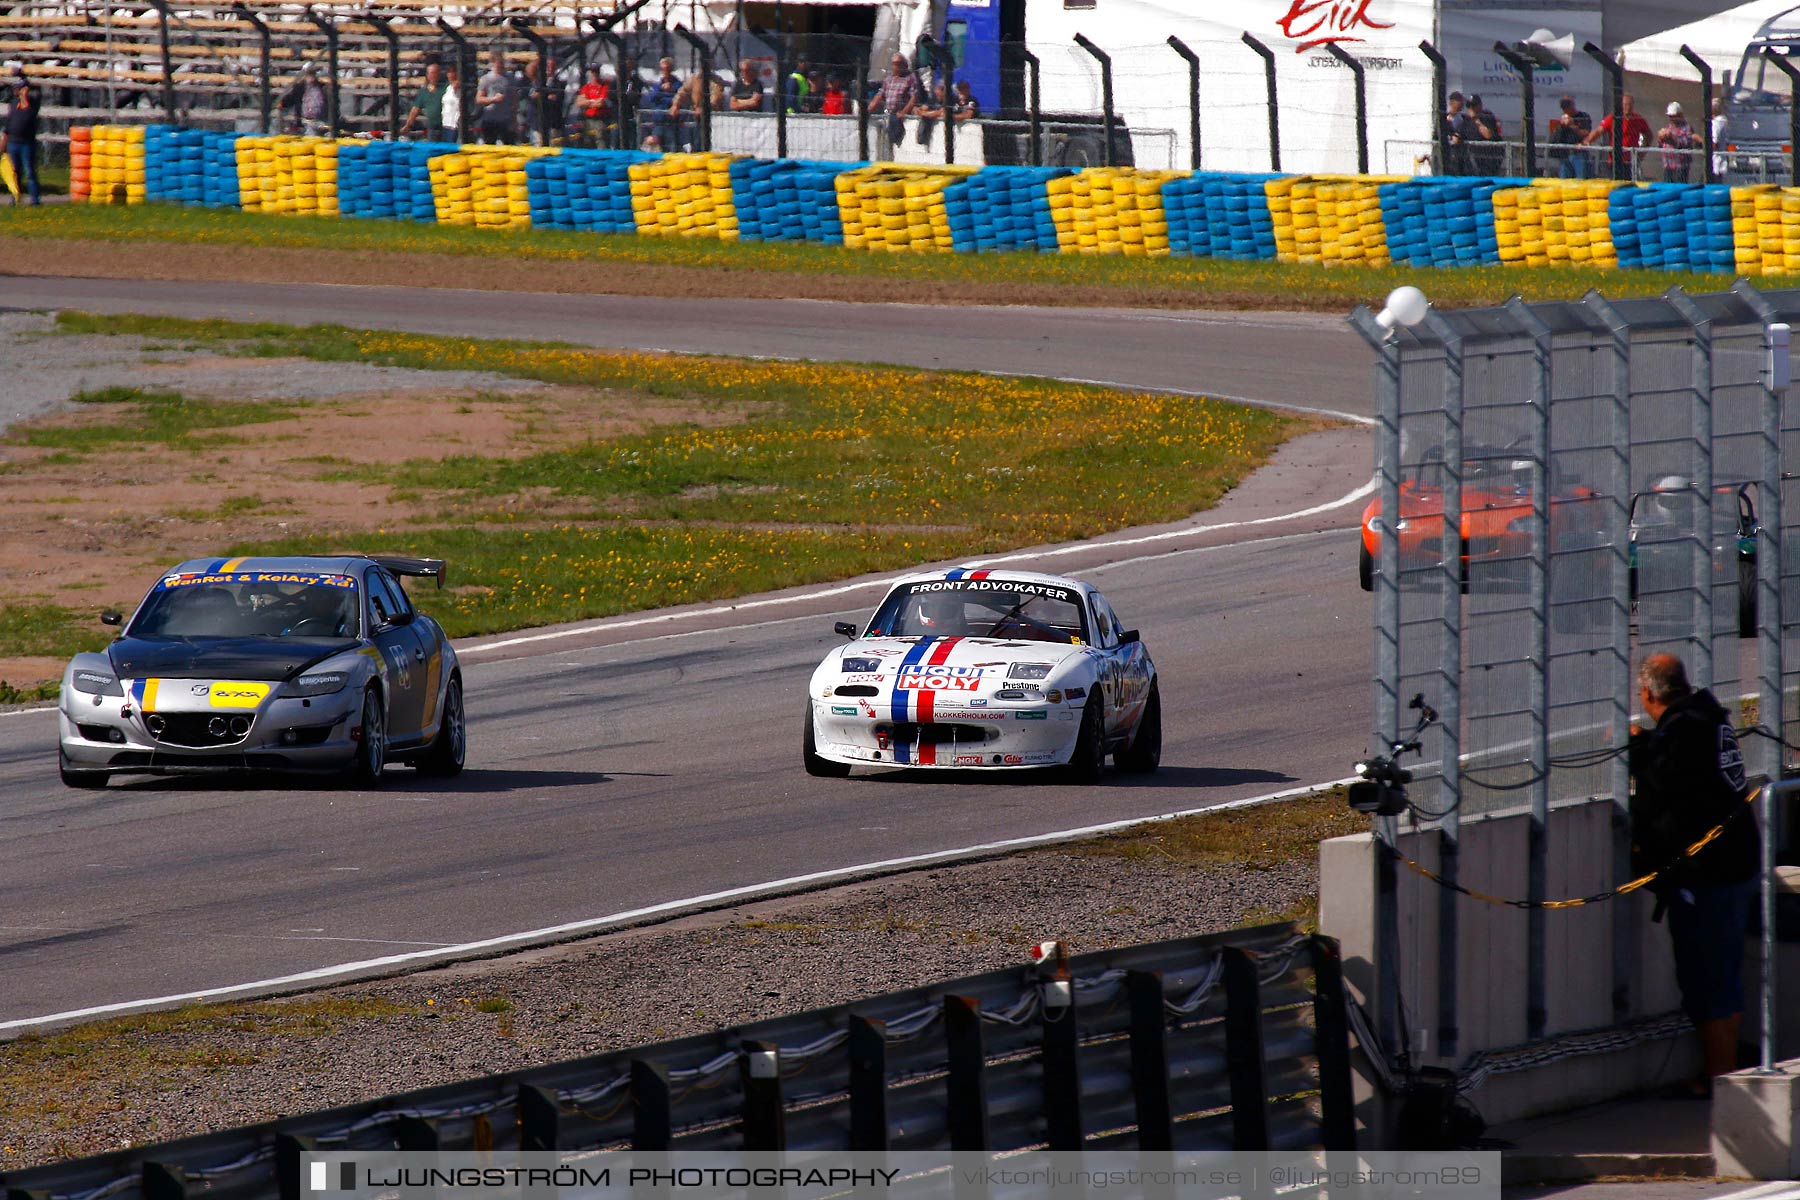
x,y
986,670
285,664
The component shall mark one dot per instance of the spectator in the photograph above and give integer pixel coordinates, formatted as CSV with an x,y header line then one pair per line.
x,y
688,98
1459,129
497,103
18,137
966,108
1635,134
593,108
428,106
1486,154
815,90
747,93
932,108
1690,785
651,145
1678,144
653,104
897,98
451,130
310,103
835,100
1568,129
541,107
797,88
1720,124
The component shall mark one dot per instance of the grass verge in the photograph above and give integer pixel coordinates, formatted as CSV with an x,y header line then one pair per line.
x,y
820,472
1001,278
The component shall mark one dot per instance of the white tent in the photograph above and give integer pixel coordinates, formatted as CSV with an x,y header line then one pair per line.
x,y
1720,40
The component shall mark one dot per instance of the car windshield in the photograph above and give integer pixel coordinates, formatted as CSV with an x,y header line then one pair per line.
x,y
250,604
999,608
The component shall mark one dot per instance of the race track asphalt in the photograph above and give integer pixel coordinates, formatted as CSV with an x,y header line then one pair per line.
x,y
647,761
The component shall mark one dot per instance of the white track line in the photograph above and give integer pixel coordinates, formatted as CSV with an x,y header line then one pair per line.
x,y
843,589
595,924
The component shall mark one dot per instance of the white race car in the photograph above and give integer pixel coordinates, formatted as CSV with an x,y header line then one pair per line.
x,y
986,670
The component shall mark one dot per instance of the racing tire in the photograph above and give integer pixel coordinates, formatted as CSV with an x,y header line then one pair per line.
x,y
77,778
1089,758
1746,605
444,757
1365,567
1144,754
370,760
822,768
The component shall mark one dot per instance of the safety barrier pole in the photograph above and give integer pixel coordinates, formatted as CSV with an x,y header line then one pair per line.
x,y
1193,62
263,34
465,72
1704,114
168,67
542,46
1527,102
330,30
1106,93
1793,73
946,73
1440,90
393,60
1268,57
781,113
1615,74
699,47
1034,115
1362,106
861,108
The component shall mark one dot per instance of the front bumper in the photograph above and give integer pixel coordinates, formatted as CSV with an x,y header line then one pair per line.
x,y
110,733
1003,736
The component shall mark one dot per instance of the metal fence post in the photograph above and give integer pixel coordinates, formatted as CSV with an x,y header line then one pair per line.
x,y
1625,919
168,65
1440,90
330,30
1150,1060
764,1118
1703,672
1244,1062
538,42
1451,583
1615,75
465,73
1268,57
1705,114
1060,1048
1034,116
966,1087
1527,102
1362,105
1193,62
652,1102
781,65
415,1133
386,30
263,35
163,1181
868,1084
706,80
540,1118
1793,73
946,75
1331,1046
1106,93
288,1149
1537,1014
861,109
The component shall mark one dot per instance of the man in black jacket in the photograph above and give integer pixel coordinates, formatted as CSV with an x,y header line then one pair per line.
x,y
1690,782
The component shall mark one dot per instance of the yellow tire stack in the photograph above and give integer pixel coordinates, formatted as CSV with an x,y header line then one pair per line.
x,y
313,166
483,186
1748,205
1787,262
255,163
1348,215
116,165
1061,191
685,195
897,208
1556,222
1113,210
1280,195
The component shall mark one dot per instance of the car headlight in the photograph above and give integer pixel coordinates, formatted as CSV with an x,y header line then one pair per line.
x,y
316,683
96,683
861,666
1029,671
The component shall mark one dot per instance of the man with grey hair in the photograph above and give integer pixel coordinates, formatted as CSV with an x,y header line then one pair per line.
x,y
1691,791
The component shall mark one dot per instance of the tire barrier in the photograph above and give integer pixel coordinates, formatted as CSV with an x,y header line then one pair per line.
x,y
1319,219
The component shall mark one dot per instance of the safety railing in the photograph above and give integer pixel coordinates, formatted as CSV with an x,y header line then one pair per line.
x,y
1228,1041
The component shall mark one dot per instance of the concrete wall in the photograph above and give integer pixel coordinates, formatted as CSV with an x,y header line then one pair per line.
x,y
1490,967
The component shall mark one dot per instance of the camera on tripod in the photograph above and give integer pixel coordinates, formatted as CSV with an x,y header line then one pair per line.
x,y
1381,791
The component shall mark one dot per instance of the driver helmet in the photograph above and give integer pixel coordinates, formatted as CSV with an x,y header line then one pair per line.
x,y
1662,506
940,612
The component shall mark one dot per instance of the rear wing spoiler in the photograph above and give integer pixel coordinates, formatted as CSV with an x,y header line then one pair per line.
x,y
432,568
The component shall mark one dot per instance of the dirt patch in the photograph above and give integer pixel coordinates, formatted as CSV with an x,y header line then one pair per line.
x,y
273,264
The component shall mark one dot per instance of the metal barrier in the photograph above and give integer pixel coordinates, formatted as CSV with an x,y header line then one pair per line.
x,y
1229,1041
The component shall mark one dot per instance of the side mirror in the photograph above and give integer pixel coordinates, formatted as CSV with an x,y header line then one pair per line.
x,y
1129,636
403,618
112,617
844,629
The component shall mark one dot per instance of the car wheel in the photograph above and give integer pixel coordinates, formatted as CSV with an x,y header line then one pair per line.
x,y
1747,599
77,778
1144,754
371,751
1365,567
824,768
445,756
1089,758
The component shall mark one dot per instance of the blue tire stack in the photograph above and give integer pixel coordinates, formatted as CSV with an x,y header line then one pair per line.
x,y
412,179
789,200
1007,208
1403,216
174,164
538,194
1220,215
1458,223
354,185
589,190
219,170
1710,209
